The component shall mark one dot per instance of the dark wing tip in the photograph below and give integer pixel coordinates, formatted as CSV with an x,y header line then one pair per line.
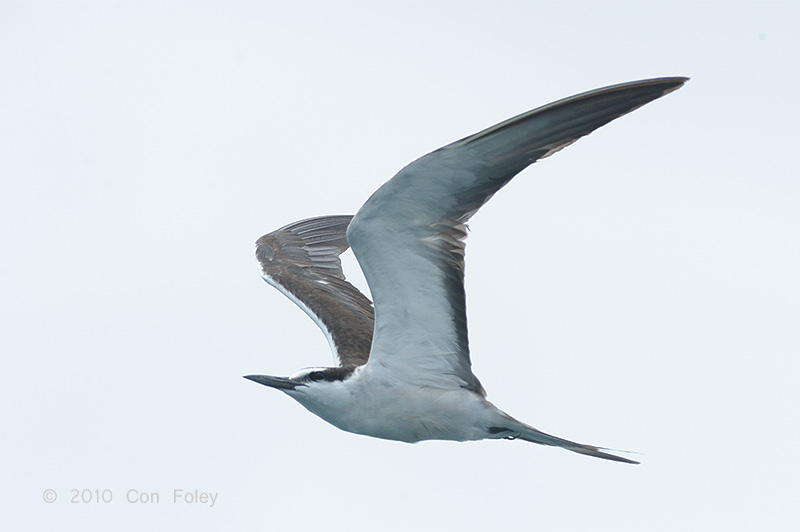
x,y
314,243
317,230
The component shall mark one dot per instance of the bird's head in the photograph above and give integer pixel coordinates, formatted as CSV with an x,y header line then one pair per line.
x,y
310,385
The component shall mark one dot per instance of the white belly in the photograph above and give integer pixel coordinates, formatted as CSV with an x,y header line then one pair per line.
x,y
397,410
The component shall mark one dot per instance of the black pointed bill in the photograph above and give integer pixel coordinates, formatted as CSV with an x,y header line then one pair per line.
x,y
281,383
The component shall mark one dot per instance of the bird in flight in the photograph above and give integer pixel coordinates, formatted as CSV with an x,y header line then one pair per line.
x,y
404,370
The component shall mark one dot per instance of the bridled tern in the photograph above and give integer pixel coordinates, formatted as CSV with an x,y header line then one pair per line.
x,y
404,370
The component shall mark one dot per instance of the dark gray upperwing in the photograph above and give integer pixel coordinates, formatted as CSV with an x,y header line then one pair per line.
x,y
302,261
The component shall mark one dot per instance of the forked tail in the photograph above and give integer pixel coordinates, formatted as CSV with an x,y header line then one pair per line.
x,y
526,432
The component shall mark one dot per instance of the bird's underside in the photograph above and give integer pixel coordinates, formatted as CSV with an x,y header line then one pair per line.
x,y
404,371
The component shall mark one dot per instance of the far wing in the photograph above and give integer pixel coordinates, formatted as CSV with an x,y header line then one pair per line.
x,y
409,236
302,261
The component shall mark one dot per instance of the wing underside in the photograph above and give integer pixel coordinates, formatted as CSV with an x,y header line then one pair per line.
x,y
409,236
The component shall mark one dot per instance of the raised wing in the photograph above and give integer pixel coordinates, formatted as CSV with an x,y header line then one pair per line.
x,y
302,261
409,236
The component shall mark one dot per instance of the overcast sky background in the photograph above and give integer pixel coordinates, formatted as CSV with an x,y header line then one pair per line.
x,y
638,290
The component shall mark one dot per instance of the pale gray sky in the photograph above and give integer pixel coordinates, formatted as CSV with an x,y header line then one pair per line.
x,y
638,290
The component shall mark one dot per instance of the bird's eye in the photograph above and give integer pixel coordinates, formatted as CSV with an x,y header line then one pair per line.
x,y
316,376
